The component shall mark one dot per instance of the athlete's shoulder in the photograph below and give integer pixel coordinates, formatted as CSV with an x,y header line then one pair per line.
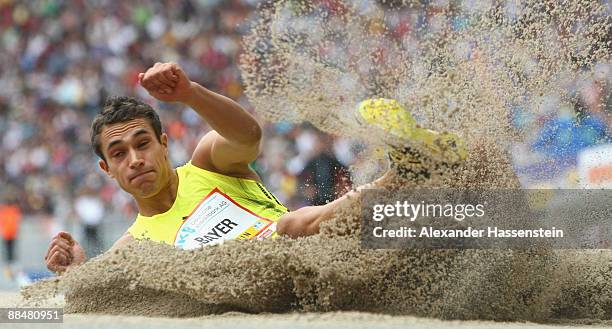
x,y
205,170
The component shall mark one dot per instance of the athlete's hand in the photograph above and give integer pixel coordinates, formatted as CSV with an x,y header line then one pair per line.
x,y
63,252
167,82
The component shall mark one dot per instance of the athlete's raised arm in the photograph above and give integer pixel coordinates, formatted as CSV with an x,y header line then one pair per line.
x,y
233,144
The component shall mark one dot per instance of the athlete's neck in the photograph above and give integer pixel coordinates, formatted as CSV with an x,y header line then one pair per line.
x,y
162,201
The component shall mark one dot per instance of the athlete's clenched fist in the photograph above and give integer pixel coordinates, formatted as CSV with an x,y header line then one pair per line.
x,y
63,252
166,82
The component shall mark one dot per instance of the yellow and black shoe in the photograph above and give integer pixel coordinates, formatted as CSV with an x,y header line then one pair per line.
x,y
422,146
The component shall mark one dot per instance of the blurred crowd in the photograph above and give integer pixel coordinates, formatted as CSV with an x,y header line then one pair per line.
x,y
569,141
59,59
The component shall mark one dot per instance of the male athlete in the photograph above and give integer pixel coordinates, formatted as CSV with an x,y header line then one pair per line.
x,y
216,196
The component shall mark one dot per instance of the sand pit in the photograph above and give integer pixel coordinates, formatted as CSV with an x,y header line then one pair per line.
x,y
290,75
329,272
293,320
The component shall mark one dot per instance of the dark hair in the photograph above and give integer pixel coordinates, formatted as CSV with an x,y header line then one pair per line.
x,y
122,109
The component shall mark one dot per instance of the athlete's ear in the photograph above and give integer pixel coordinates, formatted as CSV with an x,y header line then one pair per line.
x,y
104,166
164,142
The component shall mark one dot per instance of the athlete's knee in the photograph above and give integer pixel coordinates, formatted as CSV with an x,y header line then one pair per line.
x,y
282,226
297,223
289,224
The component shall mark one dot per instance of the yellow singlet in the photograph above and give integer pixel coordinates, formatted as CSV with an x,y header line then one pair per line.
x,y
211,208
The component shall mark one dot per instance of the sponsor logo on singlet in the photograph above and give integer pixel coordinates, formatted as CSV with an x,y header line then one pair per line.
x,y
219,218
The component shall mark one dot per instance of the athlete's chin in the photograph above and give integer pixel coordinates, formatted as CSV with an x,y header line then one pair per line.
x,y
145,190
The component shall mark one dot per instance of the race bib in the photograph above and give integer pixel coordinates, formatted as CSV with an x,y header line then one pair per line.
x,y
219,218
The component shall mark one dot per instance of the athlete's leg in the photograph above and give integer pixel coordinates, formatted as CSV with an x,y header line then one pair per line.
x,y
407,162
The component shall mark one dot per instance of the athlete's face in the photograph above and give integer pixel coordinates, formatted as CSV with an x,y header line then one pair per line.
x,y
135,158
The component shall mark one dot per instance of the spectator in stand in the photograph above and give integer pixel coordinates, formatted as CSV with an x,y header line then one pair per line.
x,y
10,218
90,210
324,178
